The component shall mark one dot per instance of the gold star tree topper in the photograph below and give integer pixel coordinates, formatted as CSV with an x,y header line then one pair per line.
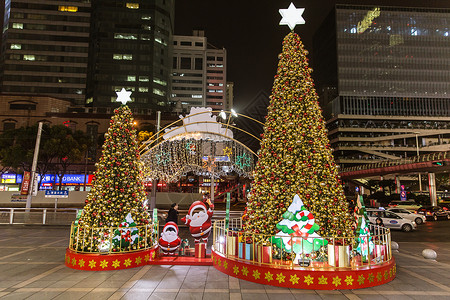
x,y
123,96
292,16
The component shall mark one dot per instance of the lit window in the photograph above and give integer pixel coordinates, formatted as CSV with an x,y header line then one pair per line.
x,y
133,5
17,25
128,57
143,89
143,78
196,96
29,57
16,46
117,56
146,17
131,78
159,92
147,27
414,31
125,36
159,81
353,30
68,8
146,37
161,41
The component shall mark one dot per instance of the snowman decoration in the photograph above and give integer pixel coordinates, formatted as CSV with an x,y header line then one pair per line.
x,y
199,222
169,241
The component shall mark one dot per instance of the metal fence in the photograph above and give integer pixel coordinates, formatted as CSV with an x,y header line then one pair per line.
x,y
113,239
38,216
363,251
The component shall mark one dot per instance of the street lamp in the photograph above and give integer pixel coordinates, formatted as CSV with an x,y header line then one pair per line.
x,y
417,147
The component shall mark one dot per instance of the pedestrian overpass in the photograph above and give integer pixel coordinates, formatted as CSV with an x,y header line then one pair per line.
x,y
432,163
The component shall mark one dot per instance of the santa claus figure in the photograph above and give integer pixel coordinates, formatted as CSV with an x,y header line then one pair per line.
x,y
169,241
199,222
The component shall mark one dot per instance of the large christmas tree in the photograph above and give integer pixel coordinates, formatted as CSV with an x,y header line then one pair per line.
x,y
117,196
295,155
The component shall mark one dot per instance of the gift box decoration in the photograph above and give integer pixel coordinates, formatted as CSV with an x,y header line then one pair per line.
x,y
241,250
200,250
249,251
264,254
232,245
338,256
379,251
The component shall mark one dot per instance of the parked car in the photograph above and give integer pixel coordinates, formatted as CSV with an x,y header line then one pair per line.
x,y
445,205
391,220
419,219
408,205
434,212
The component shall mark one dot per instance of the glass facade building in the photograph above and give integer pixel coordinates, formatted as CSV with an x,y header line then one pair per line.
x,y
384,69
45,48
130,49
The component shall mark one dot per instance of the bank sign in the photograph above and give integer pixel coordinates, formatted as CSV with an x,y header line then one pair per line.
x,y
68,179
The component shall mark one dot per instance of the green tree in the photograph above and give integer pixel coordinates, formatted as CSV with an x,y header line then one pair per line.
x,y
117,192
295,156
65,147
59,148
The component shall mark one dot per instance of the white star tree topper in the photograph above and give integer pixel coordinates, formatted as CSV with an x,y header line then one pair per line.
x,y
292,16
123,96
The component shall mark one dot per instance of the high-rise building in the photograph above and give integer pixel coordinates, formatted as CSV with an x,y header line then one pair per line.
x,y
130,49
45,48
199,73
383,74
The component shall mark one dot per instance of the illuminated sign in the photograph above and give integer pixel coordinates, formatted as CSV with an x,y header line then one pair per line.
x,y
217,158
367,21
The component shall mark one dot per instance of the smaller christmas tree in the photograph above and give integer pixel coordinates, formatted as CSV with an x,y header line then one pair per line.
x,y
298,231
364,243
115,216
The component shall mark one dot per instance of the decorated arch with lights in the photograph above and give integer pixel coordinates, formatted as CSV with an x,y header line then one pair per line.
x,y
201,142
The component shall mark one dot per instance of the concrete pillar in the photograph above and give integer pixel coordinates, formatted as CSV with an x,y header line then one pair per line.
x,y
432,188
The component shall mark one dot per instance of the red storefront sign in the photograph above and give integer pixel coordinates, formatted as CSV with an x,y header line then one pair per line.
x,y
25,183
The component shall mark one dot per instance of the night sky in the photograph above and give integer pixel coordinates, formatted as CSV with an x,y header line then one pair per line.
x,y
249,30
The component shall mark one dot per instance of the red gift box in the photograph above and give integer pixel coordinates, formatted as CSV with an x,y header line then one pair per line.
x,y
338,256
200,250
264,254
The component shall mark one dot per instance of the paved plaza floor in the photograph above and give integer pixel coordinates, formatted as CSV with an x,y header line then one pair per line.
x,y
32,267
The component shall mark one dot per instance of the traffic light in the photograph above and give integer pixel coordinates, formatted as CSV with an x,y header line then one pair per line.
x,y
438,163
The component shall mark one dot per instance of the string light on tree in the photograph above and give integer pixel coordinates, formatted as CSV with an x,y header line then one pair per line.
x,y
295,156
117,193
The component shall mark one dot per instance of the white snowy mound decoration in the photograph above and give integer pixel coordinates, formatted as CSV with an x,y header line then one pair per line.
x,y
199,124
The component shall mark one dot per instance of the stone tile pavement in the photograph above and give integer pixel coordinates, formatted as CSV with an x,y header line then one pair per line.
x,y
32,267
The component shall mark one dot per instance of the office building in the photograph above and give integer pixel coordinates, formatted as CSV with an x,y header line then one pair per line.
x,y
383,77
45,48
199,76
130,48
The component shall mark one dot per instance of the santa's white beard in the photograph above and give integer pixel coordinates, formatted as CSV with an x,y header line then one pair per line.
x,y
198,219
169,236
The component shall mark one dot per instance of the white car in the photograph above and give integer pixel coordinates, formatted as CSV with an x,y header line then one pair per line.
x,y
419,219
391,220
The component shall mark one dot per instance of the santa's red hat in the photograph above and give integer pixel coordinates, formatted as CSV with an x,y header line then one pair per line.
x,y
197,204
171,225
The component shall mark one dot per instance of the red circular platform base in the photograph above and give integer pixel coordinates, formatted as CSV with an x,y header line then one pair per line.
x,y
103,262
311,279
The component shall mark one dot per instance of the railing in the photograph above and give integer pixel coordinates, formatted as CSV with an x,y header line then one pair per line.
x,y
113,239
364,251
410,160
38,216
